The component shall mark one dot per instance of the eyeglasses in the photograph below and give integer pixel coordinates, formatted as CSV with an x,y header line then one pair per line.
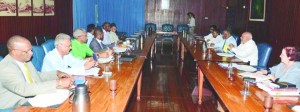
x,y
26,52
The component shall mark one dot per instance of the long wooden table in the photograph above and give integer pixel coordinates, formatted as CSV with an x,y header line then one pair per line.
x,y
128,74
228,91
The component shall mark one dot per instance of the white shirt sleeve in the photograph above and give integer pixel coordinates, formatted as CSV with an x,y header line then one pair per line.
x,y
192,22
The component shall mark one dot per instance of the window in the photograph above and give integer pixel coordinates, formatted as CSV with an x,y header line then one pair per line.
x,y
165,4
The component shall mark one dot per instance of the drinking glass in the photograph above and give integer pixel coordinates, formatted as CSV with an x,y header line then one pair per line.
x,y
246,87
113,87
268,103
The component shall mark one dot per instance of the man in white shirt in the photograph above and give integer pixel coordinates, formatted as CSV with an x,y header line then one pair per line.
x,y
223,45
212,28
215,38
106,31
61,59
90,33
247,50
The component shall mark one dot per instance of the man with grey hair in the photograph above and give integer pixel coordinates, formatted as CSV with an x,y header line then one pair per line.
x,y
61,59
20,78
79,47
247,50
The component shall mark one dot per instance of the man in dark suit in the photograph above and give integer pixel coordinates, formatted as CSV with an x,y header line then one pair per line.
x,y
97,43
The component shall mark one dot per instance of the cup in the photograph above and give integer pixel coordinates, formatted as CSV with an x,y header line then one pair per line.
x,y
268,103
113,87
246,87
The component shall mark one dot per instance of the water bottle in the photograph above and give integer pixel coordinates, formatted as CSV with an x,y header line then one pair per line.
x,y
81,99
204,47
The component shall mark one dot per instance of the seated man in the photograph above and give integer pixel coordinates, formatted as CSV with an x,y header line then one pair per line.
x,y
113,34
223,45
21,79
60,59
97,43
80,49
212,28
247,50
215,37
106,31
90,33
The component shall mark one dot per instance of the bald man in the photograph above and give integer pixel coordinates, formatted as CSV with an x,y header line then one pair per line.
x,y
21,79
247,50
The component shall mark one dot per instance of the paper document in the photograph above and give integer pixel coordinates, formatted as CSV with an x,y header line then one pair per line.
x,y
245,68
225,55
93,71
46,100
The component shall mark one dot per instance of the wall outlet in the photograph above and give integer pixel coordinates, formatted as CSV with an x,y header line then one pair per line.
x,y
205,17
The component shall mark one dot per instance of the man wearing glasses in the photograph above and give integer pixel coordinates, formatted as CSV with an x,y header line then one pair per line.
x,y
21,80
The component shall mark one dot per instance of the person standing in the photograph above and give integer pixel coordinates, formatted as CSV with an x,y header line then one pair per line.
x,y
191,22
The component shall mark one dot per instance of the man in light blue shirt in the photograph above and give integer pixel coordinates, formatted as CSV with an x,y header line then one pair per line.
x,y
228,39
61,59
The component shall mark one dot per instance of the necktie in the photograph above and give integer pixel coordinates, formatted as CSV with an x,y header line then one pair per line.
x,y
101,45
28,77
225,47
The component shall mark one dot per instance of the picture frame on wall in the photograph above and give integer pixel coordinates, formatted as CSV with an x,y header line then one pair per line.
x,y
8,8
257,10
38,7
49,8
24,8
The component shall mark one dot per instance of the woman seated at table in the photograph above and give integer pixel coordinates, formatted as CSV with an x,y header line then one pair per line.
x,y
96,44
113,35
288,70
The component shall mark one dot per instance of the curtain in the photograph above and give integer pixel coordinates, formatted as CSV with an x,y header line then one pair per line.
x,y
128,15
83,13
177,13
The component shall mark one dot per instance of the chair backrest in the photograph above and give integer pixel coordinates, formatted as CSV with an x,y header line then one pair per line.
x,y
1,58
264,53
167,28
152,25
40,39
182,27
237,38
48,45
3,50
38,57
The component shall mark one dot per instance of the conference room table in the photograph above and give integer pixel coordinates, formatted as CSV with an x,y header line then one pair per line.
x,y
127,75
228,91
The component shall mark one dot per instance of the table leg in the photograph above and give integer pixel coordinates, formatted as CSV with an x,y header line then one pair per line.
x,y
200,85
178,43
139,85
152,48
182,51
